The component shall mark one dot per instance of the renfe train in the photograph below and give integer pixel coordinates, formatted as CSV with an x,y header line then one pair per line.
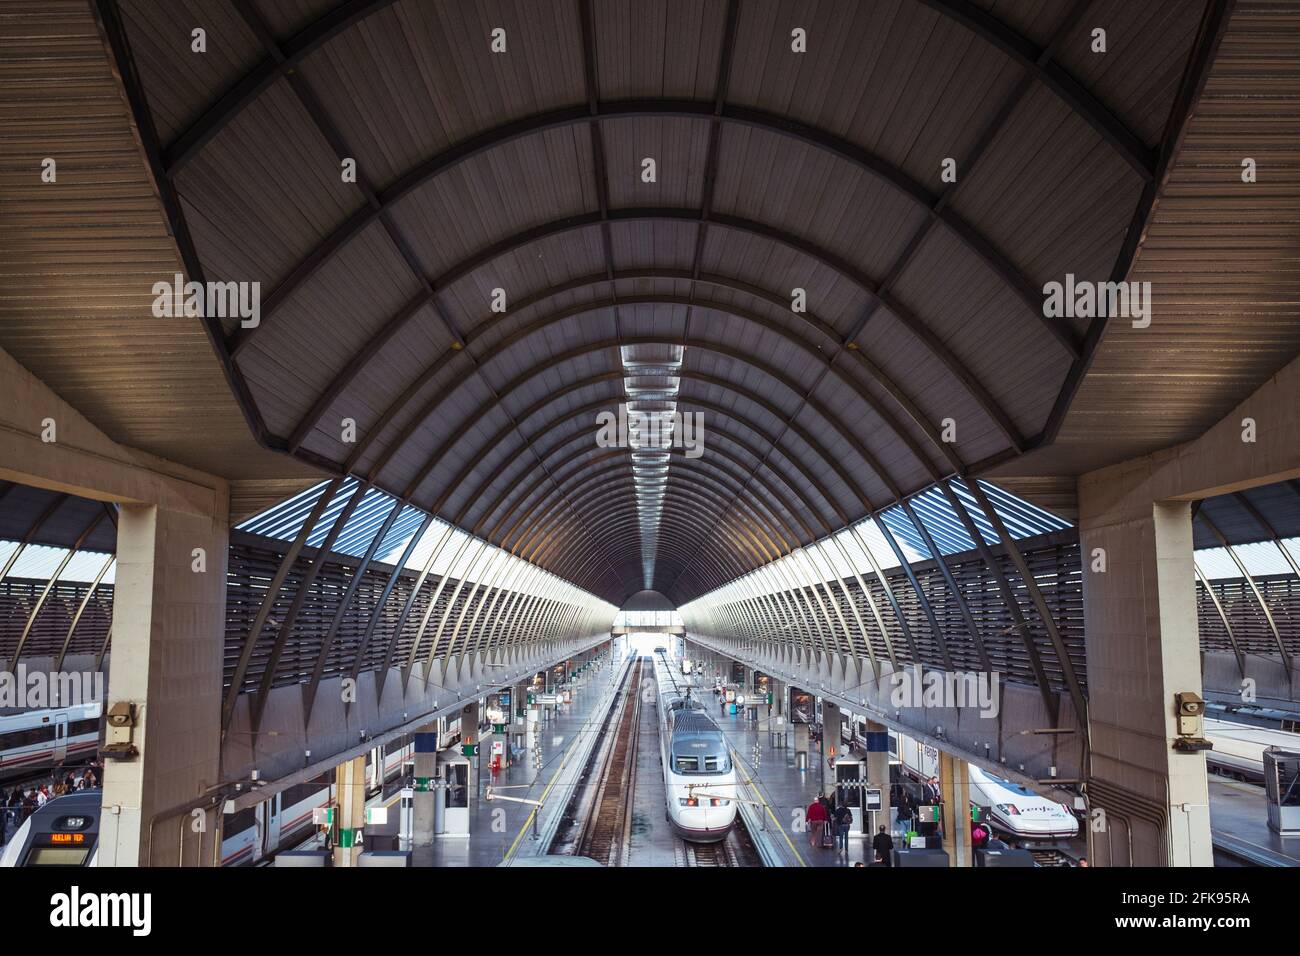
x,y
65,831
1018,814
40,740
699,775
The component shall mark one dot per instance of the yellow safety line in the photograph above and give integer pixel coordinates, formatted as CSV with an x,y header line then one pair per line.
x,y
766,806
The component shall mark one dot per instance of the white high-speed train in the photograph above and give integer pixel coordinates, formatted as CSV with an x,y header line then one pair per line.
x,y
699,776
1018,814
1239,749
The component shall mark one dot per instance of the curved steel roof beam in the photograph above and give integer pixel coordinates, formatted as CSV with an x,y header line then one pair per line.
x,y
482,451
912,323
745,358
877,374
1055,77
724,561
1029,292
541,324
700,470
730,485
809,479
252,84
593,488
774,525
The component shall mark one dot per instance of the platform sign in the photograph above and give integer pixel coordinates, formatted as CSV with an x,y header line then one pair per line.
x,y
499,728
469,750
875,798
323,816
927,814
376,815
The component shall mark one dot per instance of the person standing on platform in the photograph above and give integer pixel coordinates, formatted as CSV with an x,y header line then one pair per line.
x,y
843,823
816,818
903,810
883,844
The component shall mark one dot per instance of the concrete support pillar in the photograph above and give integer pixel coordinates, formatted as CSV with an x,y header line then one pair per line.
x,y
469,717
954,783
169,613
878,777
423,828
830,745
1143,649
351,787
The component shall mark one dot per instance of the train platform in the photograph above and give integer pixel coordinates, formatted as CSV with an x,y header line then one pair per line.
x,y
502,830
1239,828
783,791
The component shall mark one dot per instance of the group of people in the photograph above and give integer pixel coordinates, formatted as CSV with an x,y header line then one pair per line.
x,y
19,803
826,815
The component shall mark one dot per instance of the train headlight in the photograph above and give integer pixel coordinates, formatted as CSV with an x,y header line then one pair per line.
x,y
688,801
1009,809
719,802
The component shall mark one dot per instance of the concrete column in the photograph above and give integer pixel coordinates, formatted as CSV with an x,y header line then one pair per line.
x,y
1143,649
169,612
426,765
878,776
830,745
954,784
350,783
469,717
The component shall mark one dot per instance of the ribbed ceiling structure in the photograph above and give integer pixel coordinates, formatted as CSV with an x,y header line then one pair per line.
x,y
740,205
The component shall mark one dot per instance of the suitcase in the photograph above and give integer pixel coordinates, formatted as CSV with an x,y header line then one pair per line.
x,y
828,836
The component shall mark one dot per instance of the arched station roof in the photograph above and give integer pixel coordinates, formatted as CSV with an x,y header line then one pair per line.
x,y
923,350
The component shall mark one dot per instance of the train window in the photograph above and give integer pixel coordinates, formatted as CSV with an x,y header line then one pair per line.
x,y
693,751
238,822
1291,726
78,728
58,855
300,792
27,738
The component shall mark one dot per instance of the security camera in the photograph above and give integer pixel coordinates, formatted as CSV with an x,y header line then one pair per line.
x,y
1190,711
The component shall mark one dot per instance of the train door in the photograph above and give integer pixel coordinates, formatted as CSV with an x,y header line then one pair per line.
x,y
60,737
261,822
275,816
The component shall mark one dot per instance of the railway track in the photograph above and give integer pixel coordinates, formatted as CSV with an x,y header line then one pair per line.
x,y
736,850
597,820
604,837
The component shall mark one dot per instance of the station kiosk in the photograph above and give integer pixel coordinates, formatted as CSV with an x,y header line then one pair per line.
x,y
451,801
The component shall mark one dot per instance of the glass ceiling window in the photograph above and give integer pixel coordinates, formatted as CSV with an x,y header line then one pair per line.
x,y
442,550
651,384
648,619
38,562
863,547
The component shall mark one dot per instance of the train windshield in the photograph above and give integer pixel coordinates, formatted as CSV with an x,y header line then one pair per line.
x,y
700,752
